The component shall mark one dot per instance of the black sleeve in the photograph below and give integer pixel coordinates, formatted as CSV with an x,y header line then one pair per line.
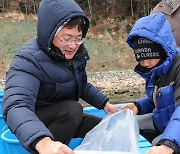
x,y
138,107
33,144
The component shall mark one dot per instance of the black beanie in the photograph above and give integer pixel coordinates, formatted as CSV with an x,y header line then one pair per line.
x,y
147,49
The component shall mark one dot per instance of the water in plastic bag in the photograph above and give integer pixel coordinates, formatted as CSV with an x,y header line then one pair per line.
x,y
116,132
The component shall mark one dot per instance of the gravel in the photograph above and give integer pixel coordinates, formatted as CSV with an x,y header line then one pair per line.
x,y
119,86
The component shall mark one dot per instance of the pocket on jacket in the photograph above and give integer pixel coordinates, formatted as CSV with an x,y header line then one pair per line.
x,y
162,117
165,97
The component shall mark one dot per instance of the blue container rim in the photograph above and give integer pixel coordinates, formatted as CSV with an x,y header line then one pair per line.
x,y
8,140
1,92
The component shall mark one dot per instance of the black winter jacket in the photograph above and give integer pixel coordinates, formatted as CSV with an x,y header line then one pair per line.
x,y
40,76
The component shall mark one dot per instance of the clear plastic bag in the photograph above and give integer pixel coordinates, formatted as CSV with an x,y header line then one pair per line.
x,y
117,132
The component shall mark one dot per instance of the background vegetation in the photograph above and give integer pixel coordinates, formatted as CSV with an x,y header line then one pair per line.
x,y
111,21
107,8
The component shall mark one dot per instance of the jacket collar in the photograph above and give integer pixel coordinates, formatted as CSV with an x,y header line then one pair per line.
x,y
80,57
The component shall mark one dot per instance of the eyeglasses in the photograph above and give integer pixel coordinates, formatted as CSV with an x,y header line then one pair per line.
x,y
70,41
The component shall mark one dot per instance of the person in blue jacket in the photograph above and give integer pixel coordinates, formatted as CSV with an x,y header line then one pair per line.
x,y
158,60
46,79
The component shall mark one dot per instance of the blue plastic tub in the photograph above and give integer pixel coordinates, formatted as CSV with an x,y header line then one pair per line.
x,y
3,148
1,96
12,143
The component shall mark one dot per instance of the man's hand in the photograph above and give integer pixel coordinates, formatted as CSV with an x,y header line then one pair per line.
x,y
162,149
111,108
48,146
131,106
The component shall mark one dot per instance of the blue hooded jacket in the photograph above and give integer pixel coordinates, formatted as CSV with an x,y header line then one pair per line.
x,y
40,76
166,113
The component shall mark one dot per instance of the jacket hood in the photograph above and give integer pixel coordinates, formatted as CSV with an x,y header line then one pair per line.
x,y
51,15
156,27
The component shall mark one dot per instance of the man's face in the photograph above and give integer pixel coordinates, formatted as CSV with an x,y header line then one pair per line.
x,y
68,41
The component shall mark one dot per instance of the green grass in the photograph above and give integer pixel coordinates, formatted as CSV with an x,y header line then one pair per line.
x,y
102,55
13,36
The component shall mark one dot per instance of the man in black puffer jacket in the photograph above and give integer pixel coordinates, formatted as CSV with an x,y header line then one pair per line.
x,y
46,79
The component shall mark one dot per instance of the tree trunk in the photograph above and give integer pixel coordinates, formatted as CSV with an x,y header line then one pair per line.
x,y
34,6
148,7
132,12
3,6
90,9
